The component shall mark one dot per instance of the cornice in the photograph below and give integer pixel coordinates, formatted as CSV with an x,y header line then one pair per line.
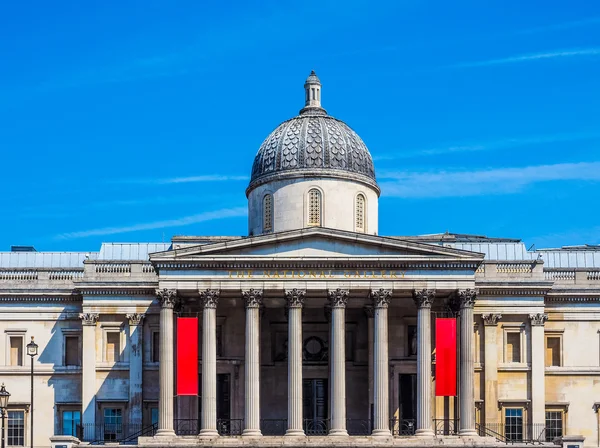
x,y
572,299
29,298
118,290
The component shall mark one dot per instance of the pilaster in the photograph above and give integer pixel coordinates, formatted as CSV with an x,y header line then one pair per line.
x,y
88,380
135,368
490,322
538,384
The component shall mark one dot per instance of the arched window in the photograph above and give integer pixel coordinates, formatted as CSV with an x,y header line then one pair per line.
x,y
360,213
314,207
268,213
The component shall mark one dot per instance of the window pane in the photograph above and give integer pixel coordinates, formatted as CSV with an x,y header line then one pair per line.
x,y
113,423
155,346
314,207
113,349
513,347
15,435
554,424
513,424
72,351
360,213
553,351
16,350
71,420
154,416
268,213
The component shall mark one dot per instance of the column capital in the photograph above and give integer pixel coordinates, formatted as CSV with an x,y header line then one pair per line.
x,y
491,319
369,311
338,298
467,298
89,318
295,297
381,297
135,318
210,298
538,319
167,297
424,298
253,298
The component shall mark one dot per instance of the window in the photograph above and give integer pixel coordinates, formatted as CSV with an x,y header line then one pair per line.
x,y
113,424
72,356
513,424
268,213
314,207
553,351
113,346
71,421
554,425
155,346
16,350
513,347
360,213
15,435
154,416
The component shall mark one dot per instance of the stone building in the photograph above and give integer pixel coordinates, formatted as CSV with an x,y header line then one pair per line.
x,y
313,325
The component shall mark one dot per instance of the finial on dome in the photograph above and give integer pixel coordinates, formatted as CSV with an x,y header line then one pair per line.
x,y
312,95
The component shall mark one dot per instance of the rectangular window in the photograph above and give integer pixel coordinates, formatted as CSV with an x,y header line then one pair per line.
x,y
15,434
553,351
72,357
113,346
554,425
513,424
71,420
113,424
16,350
513,347
155,346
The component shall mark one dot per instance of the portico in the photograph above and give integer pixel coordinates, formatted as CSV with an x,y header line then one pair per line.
x,y
313,298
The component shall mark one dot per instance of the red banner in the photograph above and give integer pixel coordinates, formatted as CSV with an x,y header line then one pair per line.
x,y
187,356
445,357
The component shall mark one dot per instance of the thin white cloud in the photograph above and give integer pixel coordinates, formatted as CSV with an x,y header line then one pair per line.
x,y
531,57
183,180
482,182
186,220
490,145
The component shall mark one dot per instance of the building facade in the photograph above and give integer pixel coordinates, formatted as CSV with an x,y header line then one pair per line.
x,y
312,326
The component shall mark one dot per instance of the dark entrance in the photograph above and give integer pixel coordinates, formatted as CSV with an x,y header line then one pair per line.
x,y
314,406
408,404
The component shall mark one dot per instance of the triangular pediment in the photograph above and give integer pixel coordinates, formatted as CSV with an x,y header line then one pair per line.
x,y
316,243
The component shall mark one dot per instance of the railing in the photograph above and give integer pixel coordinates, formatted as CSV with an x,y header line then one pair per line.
x,y
98,434
445,426
515,268
113,268
230,427
359,427
403,427
19,275
560,275
273,426
64,275
186,426
316,426
532,433
593,275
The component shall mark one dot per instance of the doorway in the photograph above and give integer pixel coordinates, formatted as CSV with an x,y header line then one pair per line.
x,y
315,406
224,422
407,403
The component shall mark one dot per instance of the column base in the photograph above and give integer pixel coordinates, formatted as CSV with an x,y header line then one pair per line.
x,y
338,433
424,432
295,433
468,433
251,433
381,433
165,433
208,433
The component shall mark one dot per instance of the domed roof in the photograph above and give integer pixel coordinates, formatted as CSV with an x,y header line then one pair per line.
x,y
313,144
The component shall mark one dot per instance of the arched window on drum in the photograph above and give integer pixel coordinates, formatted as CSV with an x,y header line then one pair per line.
x,y
315,208
268,213
359,213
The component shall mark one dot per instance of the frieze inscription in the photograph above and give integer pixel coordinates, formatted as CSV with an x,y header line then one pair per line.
x,y
316,274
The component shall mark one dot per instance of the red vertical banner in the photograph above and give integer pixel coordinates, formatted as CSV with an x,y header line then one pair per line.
x,y
445,357
187,356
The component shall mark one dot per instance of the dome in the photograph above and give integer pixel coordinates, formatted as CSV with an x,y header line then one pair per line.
x,y
313,144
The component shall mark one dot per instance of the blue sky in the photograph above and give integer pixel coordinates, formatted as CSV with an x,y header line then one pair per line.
x,y
136,121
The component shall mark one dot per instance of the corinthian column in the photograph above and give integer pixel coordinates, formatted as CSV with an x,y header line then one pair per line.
x,y
381,425
424,299
467,364
370,313
135,368
338,299
167,299
490,363
88,381
538,389
208,421
295,301
253,299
